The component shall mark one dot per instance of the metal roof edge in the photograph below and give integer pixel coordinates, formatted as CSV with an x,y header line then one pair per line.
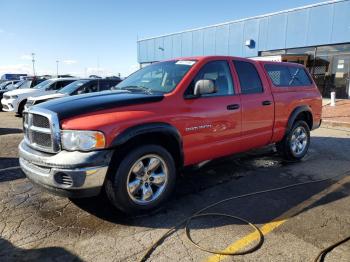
x,y
249,18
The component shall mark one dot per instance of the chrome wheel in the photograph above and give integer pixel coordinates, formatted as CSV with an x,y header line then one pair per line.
x,y
147,179
299,140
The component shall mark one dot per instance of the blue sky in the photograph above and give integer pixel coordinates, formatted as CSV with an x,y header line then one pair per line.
x,y
89,35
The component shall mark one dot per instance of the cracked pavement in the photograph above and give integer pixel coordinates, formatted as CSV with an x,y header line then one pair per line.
x,y
35,225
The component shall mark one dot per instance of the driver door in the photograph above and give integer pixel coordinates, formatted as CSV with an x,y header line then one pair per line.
x,y
212,122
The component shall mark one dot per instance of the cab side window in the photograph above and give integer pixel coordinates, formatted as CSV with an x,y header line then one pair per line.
x,y
88,88
217,71
249,78
106,85
92,87
59,85
52,86
288,76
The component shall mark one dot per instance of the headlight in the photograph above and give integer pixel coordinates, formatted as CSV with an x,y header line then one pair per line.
x,y
82,140
14,97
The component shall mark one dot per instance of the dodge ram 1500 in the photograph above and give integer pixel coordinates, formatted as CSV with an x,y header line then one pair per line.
x,y
132,142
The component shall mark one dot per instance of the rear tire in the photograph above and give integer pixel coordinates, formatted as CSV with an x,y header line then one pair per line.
x,y
142,180
296,142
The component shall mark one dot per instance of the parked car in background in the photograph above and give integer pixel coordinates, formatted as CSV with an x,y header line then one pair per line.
x,y
82,86
133,142
5,85
15,100
29,82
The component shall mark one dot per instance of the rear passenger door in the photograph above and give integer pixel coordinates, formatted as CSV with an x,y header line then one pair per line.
x,y
257,106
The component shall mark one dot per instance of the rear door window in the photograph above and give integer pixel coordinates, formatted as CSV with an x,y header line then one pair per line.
x,y
287,75
249,78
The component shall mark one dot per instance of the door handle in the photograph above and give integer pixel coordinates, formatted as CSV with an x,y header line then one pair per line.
x,y
233,107
266,103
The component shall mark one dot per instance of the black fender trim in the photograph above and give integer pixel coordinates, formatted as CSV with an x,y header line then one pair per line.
x,y
295,114
148,128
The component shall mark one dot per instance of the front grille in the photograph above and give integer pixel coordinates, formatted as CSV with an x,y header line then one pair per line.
x,y
41,121
41,139
38,132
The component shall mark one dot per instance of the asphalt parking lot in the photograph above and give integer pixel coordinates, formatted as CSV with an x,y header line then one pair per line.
x,y
297,222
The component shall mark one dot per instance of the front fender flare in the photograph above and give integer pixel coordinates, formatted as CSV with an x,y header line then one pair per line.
x,y
150,128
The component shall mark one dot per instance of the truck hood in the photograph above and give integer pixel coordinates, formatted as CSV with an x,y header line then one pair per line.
x,y
47,97
21,91
70,106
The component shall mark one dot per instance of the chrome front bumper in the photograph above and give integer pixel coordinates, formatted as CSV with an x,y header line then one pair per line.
x,y
71,174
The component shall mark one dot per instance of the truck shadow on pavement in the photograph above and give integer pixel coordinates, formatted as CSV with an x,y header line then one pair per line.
x,y
8,131
240,174
9,169
8,252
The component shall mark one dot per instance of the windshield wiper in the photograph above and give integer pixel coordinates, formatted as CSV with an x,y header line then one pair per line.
x,y
146,90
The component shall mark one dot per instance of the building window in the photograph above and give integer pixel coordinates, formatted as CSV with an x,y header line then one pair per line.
x,y
332,70
272,53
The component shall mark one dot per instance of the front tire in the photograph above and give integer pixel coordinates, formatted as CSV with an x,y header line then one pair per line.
x,y
142,181
296,142
21,108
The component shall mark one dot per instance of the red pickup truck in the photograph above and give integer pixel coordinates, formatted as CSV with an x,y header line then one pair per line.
x,y
133,141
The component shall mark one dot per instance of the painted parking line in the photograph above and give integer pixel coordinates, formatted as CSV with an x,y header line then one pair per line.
x,y
280,220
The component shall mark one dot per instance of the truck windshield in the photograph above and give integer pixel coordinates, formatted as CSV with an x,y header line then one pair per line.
x,y
72,87
159,77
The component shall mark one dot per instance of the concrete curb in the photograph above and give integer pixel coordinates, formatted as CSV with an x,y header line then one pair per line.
x,y
328,123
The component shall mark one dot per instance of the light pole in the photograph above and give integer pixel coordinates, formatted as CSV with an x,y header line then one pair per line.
x,y
57,67
33,61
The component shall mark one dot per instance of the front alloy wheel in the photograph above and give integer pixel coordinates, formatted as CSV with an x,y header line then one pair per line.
x,y
141,180
147,179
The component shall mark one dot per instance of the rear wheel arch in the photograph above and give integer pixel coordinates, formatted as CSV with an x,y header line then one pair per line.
x,y
300,113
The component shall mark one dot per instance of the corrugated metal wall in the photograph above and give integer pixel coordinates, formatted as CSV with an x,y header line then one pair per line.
x,y
317,25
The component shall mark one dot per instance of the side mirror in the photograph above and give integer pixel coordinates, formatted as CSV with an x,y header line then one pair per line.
x,y
204,87
80,92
